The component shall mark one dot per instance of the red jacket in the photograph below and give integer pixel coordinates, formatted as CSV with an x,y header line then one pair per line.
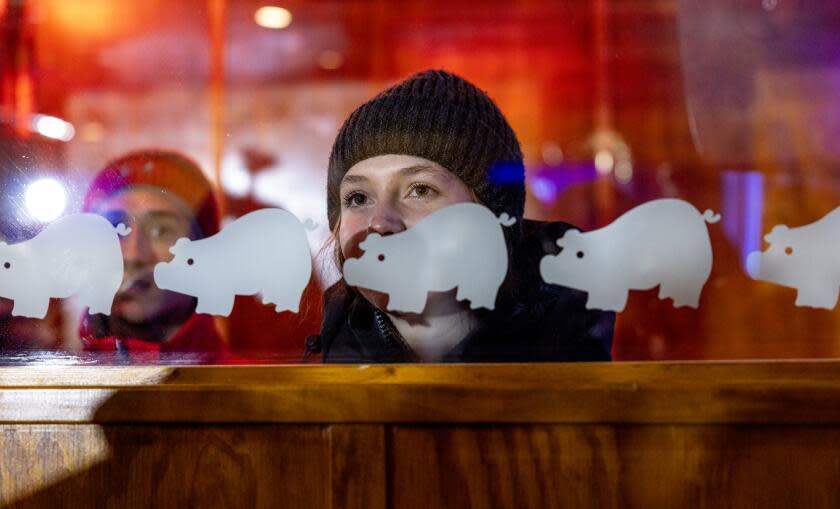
x,y
197,342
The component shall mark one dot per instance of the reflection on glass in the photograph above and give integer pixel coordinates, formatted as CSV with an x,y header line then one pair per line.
x,y
661,243
614,105
162,197
264,252
409,216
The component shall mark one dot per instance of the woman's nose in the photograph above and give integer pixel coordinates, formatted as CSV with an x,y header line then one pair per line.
x,y
386,220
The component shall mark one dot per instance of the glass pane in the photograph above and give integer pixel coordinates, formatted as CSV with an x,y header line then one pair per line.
x,y
645,181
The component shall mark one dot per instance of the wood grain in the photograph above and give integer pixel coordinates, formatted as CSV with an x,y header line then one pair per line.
x,y
171,466
357,467
785,392
731,435
615,467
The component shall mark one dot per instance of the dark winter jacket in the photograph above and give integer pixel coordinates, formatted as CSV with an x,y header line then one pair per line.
x,y
533,321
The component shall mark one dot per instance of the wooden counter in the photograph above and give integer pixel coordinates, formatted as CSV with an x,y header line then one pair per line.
x,y
763,434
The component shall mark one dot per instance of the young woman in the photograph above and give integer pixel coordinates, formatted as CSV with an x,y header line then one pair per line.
x,y
429,142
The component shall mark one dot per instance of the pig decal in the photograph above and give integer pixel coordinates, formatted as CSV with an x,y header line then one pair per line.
x,y
661,242
804,258
461,246
78,254
263,252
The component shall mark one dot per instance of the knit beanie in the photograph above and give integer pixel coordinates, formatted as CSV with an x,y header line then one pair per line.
x,y
441,117
174,174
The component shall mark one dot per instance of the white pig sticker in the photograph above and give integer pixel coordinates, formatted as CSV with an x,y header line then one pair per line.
x,y
461,246
804,258
78,254
263,252
662,242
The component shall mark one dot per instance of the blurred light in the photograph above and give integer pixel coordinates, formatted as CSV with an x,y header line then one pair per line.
x,y
45,199
604,162
552,154
236,180
743,210
53,127
89,20
92,132
624,171
330,59
657,346
544,189
273,17
769,5
507,173
549,183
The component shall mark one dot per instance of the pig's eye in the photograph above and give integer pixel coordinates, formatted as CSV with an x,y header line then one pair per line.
x,y
381,258
7,265
788,250
190,261
580,254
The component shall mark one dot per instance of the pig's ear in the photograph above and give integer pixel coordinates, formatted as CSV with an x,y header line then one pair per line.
x,y
777,233
179,246
370,242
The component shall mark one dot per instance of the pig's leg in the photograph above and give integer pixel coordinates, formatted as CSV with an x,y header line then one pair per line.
x,y
406,302
815,296
477,299
284,296
32,307
98,304
292,302
609,302
98,296
282,304
220,305
280,308
685,294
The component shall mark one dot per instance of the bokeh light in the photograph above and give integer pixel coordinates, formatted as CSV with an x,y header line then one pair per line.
x,y
46,199
604,162
273,17
53,127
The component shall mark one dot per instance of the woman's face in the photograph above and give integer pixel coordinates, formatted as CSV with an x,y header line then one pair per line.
x,y
390,193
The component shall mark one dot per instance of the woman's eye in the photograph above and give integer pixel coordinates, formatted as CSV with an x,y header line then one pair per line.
x,y
421,191
355,199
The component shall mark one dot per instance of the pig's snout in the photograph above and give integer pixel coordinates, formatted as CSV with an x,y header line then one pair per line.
x,y
754,264
161,275
547,264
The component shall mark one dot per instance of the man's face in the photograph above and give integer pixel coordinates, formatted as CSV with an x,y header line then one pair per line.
x,y
156,222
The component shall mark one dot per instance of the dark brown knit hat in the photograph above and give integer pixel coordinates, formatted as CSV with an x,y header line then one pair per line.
x,y
172,172
443,118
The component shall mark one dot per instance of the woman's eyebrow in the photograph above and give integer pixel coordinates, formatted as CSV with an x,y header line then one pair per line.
x,y
410,171
353,179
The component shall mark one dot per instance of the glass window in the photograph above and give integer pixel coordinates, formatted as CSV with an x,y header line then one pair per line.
x,y
215,182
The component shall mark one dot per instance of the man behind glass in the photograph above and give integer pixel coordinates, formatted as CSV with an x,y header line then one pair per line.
x,y
162,196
